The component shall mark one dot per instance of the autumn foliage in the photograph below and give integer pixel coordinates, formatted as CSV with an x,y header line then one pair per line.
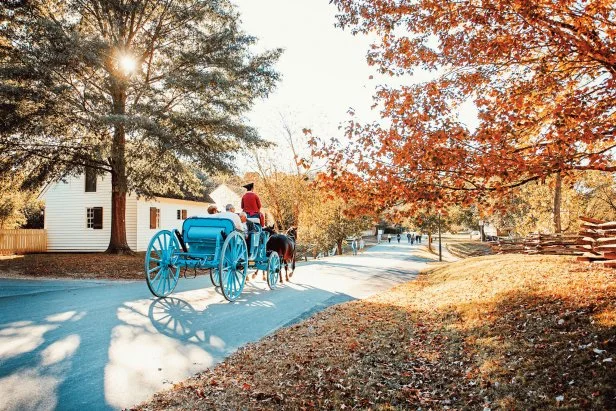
x,y
541,74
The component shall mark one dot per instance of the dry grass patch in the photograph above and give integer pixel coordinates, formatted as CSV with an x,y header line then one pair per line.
x,y
73,266
466,249
506,331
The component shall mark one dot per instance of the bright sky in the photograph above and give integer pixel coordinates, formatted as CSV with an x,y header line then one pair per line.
x,y
324,69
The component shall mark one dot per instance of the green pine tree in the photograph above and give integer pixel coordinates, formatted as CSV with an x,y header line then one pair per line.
x,y
151,92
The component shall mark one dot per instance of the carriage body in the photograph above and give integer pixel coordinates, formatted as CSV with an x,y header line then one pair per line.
x,y
208,243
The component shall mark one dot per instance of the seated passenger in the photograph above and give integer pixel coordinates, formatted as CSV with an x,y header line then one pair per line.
x,y
230,214
213,213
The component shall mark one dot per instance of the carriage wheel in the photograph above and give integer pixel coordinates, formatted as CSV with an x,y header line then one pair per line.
x,y
233,266
215,276
273,269
161,268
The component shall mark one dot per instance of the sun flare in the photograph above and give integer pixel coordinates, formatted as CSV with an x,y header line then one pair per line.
x,y
128,64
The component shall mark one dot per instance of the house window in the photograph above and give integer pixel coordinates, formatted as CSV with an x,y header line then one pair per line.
x,y
181,214
154,217
90,180
94,218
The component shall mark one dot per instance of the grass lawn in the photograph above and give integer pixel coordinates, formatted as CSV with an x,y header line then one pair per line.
x,y
465,249
73,266
502,331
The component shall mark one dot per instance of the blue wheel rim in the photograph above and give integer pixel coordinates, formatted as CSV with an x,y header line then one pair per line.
x,y
273,268
233,266
161,268
215,276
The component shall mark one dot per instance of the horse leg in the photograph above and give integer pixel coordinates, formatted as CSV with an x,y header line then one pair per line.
x,y
286,271
292,266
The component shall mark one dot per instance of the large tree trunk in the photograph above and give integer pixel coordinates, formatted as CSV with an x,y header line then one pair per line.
x,y
339,244
119,182
557,203
429,240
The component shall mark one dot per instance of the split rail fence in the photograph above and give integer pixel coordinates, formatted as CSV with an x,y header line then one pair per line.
x,y
598,241
595,243
23,241
555,244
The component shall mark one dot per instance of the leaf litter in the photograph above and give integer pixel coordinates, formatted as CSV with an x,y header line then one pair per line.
x,y
480,333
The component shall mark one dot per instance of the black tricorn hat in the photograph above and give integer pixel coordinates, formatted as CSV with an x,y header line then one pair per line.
x,y
249,186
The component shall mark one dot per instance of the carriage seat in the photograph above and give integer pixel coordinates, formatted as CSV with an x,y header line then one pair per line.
x,y
204,228
254,220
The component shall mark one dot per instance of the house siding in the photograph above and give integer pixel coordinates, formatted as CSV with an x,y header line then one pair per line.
x,y
168,216
131,221
66,204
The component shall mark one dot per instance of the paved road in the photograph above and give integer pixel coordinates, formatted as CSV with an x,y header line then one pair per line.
x,y
76,345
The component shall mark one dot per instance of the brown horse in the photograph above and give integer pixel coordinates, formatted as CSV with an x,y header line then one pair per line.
x,y
284,245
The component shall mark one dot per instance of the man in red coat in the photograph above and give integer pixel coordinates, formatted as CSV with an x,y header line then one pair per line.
x,y
251,204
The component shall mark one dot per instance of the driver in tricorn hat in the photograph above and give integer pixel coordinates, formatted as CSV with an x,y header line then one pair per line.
x,y
251,203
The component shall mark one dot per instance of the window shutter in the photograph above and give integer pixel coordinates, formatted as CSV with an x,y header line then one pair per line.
x,y
90,180
97,222
179,214
153,217
184,214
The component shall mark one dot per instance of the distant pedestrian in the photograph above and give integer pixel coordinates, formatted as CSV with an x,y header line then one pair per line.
x,y
378,238
389,238
362,244
408,237
418,238
398,237
412,238
354,246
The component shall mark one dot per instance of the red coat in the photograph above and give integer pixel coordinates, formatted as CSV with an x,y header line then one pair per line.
x,y
251,203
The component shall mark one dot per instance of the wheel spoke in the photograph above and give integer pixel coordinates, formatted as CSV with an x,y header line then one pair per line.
x,y
229,280
156,278
164,284
159,281
158,267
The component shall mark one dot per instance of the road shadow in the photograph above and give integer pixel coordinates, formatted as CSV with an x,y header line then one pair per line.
x,y
112,346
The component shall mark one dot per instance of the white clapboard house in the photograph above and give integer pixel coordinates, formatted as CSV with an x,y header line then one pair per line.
x,y
226,194
78,215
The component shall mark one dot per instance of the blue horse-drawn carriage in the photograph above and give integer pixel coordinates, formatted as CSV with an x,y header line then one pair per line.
x,y
209,243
